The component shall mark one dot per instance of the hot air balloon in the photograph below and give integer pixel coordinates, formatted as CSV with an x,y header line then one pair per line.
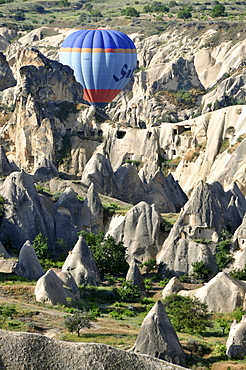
x,y
103,62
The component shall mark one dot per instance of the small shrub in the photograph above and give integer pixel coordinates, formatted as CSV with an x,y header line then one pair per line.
x,y
40,245
128,292
79,320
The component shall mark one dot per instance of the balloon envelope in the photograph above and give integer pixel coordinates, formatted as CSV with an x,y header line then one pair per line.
x,y
103,62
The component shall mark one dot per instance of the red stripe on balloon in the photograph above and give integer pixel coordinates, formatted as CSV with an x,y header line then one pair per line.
x,y
100,95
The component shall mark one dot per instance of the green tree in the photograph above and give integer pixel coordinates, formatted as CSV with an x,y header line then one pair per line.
x,y
200,271
109,256
185,12
223,255
40,245
187,314
130,12
223,323
218,11
79,320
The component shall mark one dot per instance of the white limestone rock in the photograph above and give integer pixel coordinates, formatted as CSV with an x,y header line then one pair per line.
x,y
50,290
220,294
28,265
158,338
81,264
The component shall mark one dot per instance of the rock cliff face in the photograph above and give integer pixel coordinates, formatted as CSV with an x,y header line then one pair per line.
x,y
38,351
157,337
209,211
220,294
140,232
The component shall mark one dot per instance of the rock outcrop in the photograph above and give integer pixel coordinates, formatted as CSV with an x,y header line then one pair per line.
x,y
134,276
50,290
140,232
38,351
5,167
236,343
26,214
92,212
172,287
209,211
81,264
157,337
28,265
6,75
220,294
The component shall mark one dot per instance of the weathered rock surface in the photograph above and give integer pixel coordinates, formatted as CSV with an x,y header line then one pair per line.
x,y
209,210
68,218
38,351
69,282
81,264
134,276
92,212
6,76
236,342
25,214
172,287
28,265
3,252
140,232
50,290
99,172
221,294
239,252
157,337
5,167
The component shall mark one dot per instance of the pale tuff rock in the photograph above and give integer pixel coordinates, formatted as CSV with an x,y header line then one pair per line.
x,y
6,35
28,265
45,170
157,337
125,184
43,86
26,214
98,171
50,290
220,294
140,232
7,264
81,264
38,351
239,242
92,212
172,287
209,211
134,276
68,218
236,344
69,282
